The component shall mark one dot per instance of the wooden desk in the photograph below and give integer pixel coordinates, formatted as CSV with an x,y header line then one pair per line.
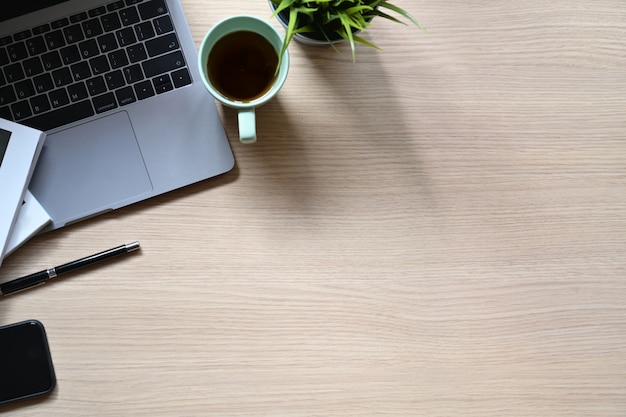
x,y
438,230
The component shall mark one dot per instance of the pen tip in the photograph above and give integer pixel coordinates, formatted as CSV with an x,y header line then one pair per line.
x,y
132,246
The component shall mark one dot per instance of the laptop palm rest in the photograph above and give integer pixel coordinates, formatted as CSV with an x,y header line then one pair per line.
x,y
81,170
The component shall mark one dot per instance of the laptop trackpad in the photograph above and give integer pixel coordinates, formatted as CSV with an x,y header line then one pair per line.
x,y
89,168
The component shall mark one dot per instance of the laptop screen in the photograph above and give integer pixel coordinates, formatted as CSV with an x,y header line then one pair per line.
x,y
22,7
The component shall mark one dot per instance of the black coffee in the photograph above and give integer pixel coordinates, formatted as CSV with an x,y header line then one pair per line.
x,y
242,65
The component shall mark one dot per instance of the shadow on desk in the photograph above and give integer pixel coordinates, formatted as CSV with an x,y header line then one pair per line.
x,y
15,266
334,124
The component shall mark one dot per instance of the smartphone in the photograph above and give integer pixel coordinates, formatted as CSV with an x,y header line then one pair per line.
x,y
25,363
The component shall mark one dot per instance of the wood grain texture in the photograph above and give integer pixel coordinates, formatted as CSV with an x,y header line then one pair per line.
x,y
436,230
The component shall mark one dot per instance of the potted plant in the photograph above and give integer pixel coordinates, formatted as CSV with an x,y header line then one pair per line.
x,y
329,21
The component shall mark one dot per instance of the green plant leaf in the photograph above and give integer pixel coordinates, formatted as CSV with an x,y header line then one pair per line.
x,y
345,17
402,12
347,34
358,10
365,42
380,13
291,28
282,5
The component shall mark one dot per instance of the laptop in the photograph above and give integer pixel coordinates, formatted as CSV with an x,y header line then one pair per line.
x,y
116,87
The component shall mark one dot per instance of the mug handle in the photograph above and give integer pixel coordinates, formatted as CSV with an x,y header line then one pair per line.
x,y
247,125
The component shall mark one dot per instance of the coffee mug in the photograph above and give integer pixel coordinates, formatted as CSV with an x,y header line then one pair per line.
x,y
237,61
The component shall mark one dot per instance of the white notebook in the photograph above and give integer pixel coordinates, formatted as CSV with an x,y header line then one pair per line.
x,y
31,219
19,149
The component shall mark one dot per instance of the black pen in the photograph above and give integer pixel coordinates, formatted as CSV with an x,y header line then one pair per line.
x,y
41,277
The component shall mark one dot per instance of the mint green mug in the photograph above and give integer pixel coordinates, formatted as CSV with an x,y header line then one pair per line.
x,y
239,65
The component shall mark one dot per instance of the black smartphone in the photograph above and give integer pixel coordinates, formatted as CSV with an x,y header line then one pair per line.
x,y
25,364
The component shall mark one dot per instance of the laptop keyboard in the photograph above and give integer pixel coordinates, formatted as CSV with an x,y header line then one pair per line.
x,y
90,63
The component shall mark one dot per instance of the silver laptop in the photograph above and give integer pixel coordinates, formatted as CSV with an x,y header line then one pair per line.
x,y
116,87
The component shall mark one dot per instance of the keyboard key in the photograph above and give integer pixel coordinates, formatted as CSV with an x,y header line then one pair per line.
x,y
32,66
126,37
41,29
7,95
24,89
114,80
5,113
96,85
144,31
73,33
118,59
99,65
14,72
129,16
152,8
54,39
77,92
133,74
92,28
107,43
43,83
62,77
3,80
60,117
4,56
17,51
164,63
70,54
36,45
163,25
162,84
59,97
115,5
80,71
79,17
98,11
104,102
21,110
40,104
89,48
110,22
51,60
125,96
144,90
57,24
131,2
136,53
181,78
20,36
162,45
5,40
